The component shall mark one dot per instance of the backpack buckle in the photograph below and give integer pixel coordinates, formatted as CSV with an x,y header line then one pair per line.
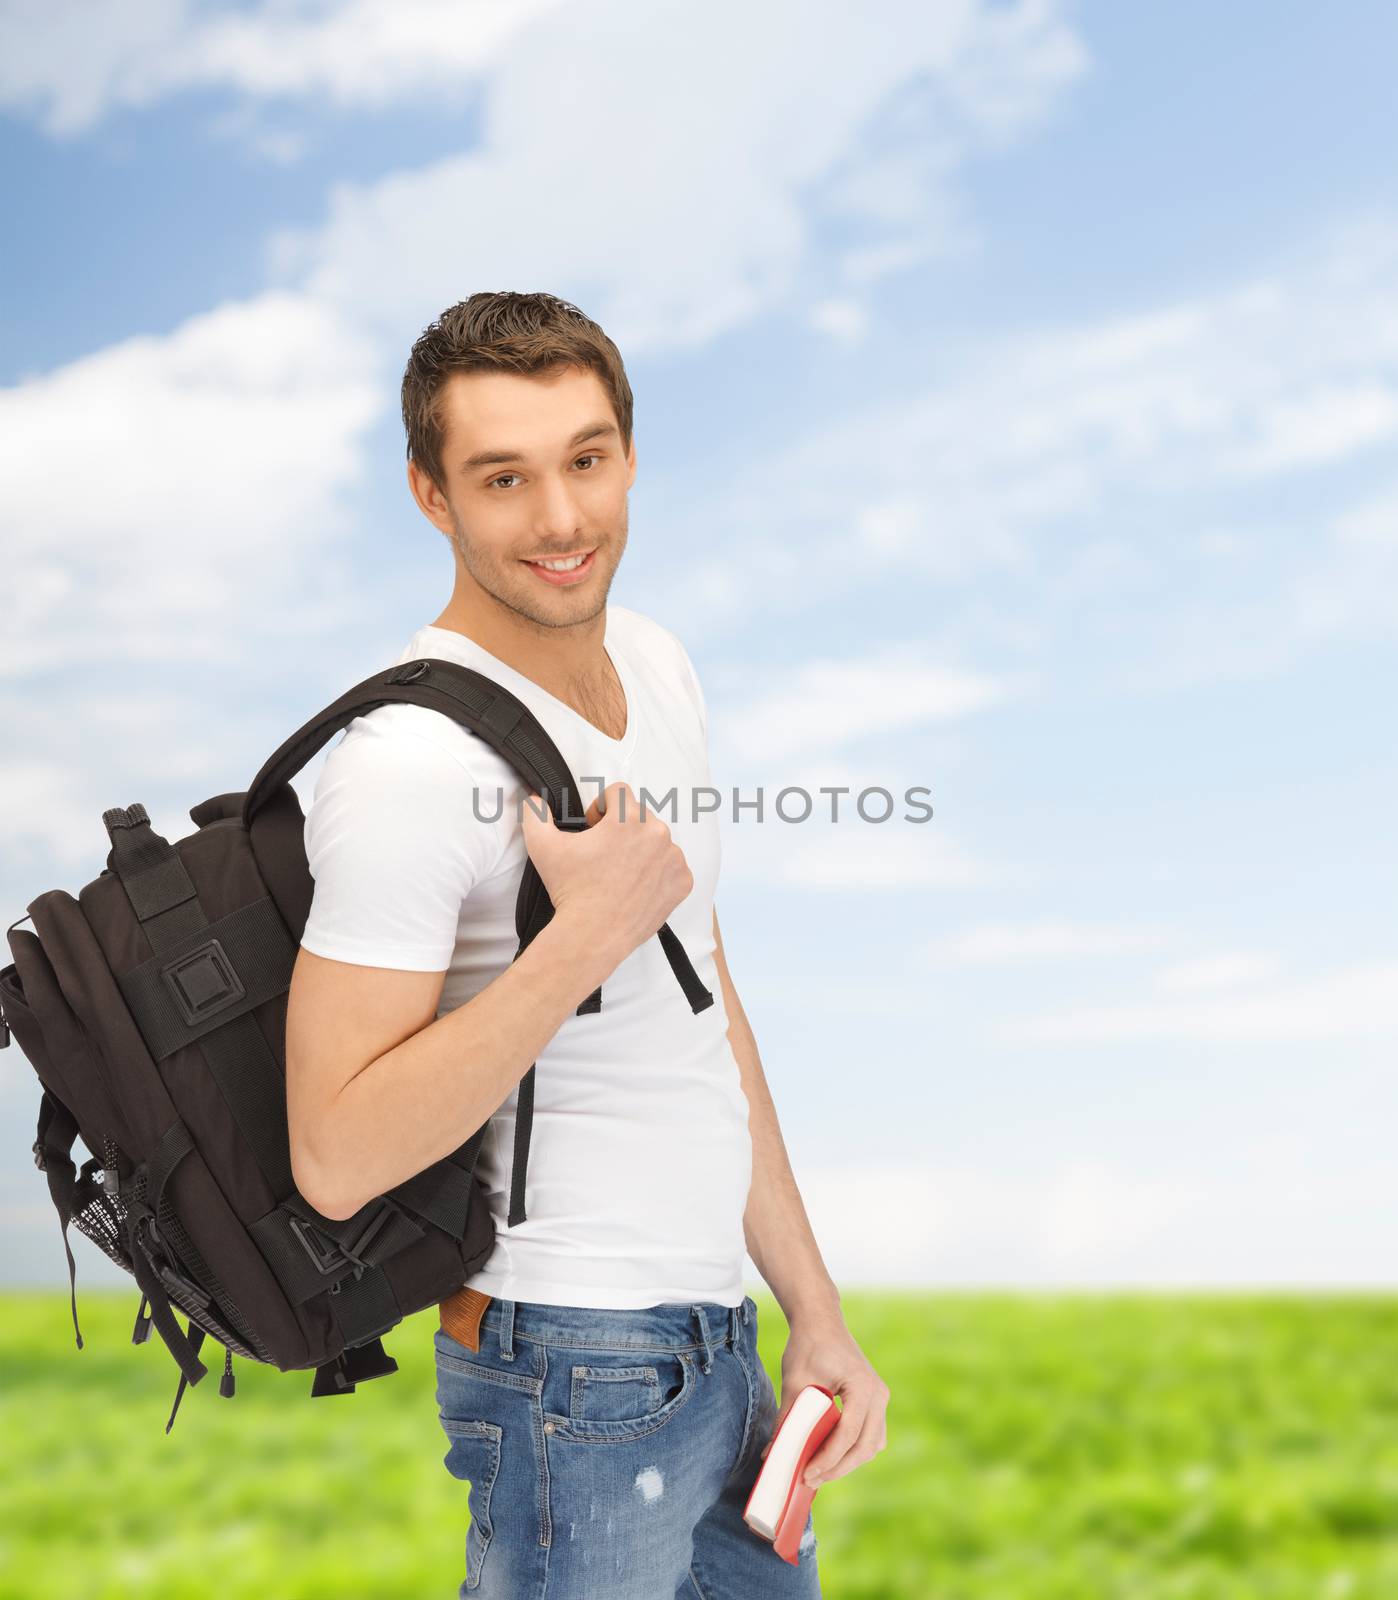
x,y
162,1259
329,1254
410,672
325,1254
202,982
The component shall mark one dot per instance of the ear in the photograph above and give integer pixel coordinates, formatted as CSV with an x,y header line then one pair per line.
x,y
430,499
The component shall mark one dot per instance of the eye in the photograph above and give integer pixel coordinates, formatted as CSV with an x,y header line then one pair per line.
x,y
504,475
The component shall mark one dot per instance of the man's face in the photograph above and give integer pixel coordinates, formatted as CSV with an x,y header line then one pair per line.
x,y
561,495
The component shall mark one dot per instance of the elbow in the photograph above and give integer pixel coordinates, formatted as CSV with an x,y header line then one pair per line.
x,y
316,1184
335,1208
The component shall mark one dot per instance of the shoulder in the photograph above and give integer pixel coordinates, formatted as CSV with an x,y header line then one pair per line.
x,y
659,653
411,740
647,639
410,795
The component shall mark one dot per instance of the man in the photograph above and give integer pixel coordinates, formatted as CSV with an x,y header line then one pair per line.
x,y
598,1378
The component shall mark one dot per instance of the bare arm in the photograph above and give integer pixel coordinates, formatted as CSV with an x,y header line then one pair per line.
x,y
778,1231
820,1348
427,1085
377,1090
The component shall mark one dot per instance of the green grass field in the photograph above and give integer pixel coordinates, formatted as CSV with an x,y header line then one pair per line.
x,y
1041,1447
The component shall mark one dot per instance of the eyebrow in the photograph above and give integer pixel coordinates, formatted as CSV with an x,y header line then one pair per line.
x,y
491,458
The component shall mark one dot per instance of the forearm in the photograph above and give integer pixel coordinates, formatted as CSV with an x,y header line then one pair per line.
x,y
424,1098
779,1236
778,1232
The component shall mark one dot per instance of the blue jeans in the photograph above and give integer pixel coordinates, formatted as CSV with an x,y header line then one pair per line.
x,y
610,1454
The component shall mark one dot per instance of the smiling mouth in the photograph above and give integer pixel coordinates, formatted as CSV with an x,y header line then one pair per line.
x,y
568,569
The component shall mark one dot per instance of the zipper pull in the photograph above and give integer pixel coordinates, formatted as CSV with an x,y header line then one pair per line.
x,y
225,1383
111,1181
141,1332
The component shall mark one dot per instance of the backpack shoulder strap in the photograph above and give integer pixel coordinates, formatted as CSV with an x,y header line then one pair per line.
x,y
480,705
511,729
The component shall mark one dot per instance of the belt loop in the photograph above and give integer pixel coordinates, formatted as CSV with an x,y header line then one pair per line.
x,y
734,1322
746,1318
704,1335
507,1330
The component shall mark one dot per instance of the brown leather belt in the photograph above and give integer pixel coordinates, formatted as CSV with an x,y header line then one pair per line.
x,y
461,1314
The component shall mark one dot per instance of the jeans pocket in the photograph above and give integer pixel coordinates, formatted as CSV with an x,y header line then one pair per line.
x,y
474,1456
615,1395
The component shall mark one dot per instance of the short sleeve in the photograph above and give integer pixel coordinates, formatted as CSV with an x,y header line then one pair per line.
x,y
394,845
696,694
692,679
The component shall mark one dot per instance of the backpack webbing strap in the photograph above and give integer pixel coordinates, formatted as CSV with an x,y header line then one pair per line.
x,y
209,977
186,1354
175,1143
355,1364
441,1193
524,1128
699,997
53,1156
533,913
196,1338
308,1252
166,904
364,1306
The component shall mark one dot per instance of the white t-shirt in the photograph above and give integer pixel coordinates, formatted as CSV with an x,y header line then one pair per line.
x,y
640,1157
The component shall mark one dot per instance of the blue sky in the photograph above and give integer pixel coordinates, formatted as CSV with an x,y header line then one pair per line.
x,y
1016,392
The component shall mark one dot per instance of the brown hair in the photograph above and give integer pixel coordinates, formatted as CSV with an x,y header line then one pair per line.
x,y
503,331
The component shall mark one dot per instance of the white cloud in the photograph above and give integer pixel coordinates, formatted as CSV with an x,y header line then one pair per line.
x,y
675,184
1231,970
1359,1002
1371,522
70,74
844,319
992,943
896,857
48,818
1268,1218
172,503
1080,466
1332,421
159,489
823,703
82,747
898,1225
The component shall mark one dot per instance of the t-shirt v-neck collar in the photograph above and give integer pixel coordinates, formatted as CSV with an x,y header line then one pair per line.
x,y
511,678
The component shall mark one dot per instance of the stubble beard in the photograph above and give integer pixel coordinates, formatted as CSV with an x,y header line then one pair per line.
x,y
511,587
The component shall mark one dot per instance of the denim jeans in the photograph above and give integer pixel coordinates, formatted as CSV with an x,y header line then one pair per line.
x,y
610,1454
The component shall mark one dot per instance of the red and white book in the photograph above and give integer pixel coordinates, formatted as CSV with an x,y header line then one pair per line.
x,y
781,1499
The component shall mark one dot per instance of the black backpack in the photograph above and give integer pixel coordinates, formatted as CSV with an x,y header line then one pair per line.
x,y
153,1010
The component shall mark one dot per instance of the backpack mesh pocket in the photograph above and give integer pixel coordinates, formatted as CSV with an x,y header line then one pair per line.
x,y
100,1216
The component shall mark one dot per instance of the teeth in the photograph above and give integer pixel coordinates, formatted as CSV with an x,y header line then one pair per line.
x,y
561,566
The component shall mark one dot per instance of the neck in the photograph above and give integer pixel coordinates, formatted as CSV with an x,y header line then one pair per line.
x,y
557,659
